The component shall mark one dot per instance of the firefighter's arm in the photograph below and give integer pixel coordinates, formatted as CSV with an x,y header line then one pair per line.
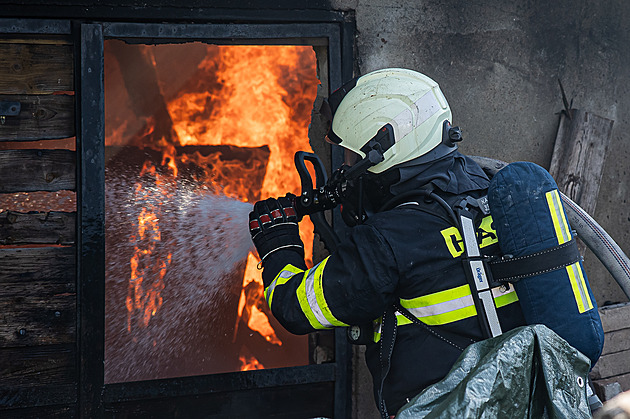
x,y
354,285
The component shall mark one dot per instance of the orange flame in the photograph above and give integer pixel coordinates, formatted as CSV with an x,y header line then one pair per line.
x,y
146,282
248,96
263,96
249,363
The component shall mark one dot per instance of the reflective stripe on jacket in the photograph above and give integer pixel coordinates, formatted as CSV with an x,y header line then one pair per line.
x,y
310,294
447,306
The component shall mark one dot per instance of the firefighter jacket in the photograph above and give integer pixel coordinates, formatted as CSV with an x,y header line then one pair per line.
x,y
410,255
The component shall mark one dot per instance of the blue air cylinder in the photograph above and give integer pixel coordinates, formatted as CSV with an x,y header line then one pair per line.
x,y
529,218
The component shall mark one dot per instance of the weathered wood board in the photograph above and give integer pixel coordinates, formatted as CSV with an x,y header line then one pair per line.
x,y
38,366
40,117
614,364
37,228
578,156
35,68
37,170
37,296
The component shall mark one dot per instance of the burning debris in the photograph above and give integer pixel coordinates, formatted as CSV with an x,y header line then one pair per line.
x,y
185,156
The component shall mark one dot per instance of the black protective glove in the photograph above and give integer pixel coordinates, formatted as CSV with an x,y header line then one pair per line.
x,y
273,225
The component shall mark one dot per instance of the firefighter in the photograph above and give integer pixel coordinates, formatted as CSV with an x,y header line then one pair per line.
x,y
404,250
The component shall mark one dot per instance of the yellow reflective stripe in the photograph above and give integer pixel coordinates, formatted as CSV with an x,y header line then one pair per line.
x,y
557,216
452,305
436,297
321,305
378,325
310,294
578,285
504,297
306,308
589,303
451,316
282,278
563,234
402,320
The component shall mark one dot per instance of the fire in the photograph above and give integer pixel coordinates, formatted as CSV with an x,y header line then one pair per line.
x,y
249,103
249,363
146,282
245,96
251,107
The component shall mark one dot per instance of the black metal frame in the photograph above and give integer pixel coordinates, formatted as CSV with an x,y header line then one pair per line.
x,y
91,197
332,28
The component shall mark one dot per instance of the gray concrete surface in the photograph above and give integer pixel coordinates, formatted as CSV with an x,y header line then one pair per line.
x,y
498,63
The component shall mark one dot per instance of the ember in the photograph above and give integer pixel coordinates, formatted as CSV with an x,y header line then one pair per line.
x,y
189,148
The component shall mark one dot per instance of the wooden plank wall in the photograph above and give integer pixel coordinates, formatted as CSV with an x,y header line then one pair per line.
x,y
38,336
611,374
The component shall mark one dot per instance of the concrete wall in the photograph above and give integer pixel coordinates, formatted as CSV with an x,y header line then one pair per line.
x,y
498,63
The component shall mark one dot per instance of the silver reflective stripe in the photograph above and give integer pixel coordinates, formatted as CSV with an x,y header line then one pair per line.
x,y
491,312
441,308
423,109
272,286
470,238
557,212
309,284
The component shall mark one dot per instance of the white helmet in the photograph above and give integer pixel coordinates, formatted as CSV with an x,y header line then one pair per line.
x,y
411,103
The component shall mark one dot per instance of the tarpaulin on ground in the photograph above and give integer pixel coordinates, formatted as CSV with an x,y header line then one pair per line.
x,y
528,372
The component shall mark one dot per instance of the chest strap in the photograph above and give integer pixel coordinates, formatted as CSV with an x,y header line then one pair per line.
x,y
513,269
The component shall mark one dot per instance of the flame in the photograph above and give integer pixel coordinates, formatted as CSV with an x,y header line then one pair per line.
x,y
251,297
249,363
255,96
245,96
146,282
252,105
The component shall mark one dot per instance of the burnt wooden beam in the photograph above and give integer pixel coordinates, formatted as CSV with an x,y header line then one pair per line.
x,y
35,69
578,156
40,117
146,100
37,227
37,296
37,170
